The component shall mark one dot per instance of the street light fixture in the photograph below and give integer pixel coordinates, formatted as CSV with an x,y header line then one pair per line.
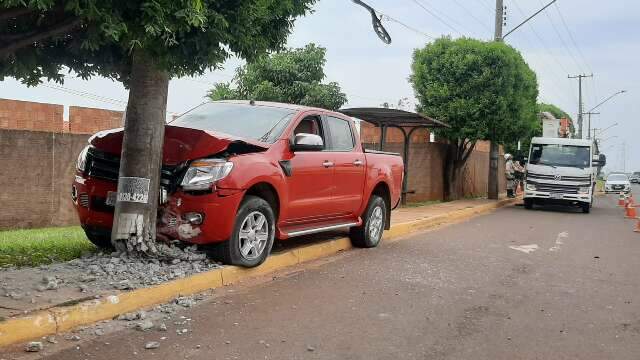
x,y
600,104
605,129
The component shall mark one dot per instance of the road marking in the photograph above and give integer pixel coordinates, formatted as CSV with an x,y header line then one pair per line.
x,y
525,248
559,241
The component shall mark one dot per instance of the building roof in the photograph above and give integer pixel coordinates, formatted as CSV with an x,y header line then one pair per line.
x,y
393,117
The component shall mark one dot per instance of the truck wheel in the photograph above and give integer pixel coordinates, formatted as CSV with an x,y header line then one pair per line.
x,y
370,233
99,238
528,204
586,208
253,234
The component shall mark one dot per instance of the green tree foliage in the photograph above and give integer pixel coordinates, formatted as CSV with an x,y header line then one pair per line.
x,y
483,90
142,43
292,76
40,38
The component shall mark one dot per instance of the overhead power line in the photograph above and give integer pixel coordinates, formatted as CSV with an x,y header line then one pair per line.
x,y
472,15
408,27
432,13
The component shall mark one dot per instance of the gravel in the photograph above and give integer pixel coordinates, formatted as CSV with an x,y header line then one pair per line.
x,y
34,346
152,345
105,271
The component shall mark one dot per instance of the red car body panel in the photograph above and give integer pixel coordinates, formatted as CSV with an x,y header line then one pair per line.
x,y
313,196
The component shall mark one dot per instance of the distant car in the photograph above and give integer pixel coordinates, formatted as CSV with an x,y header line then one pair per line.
x,y
617,183
634,179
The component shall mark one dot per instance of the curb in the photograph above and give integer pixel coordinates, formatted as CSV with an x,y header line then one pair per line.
x,y
64,318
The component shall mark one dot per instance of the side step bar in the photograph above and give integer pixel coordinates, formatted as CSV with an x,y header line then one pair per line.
x,y
321,229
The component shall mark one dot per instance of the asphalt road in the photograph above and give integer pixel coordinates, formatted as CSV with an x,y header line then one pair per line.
x,y
514,284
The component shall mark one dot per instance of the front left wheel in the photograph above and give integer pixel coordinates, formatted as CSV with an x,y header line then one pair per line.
x,y
253,234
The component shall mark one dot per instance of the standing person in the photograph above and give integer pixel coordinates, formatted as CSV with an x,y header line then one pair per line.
x,y
509,172
519,173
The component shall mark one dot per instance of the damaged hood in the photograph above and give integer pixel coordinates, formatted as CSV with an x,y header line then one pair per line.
x,y
181,144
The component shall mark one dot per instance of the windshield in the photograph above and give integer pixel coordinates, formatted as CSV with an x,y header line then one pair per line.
x,y
560,155
262,123
617,177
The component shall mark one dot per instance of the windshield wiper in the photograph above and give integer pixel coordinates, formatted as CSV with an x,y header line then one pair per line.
x,y
265,137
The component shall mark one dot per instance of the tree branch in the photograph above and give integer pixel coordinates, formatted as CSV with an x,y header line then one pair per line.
x,y
58,29
470,149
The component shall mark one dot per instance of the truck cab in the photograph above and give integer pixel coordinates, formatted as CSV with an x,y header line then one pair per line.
x,y
561,171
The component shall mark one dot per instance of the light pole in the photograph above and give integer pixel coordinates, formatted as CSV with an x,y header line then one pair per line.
x,y
590,112
609,138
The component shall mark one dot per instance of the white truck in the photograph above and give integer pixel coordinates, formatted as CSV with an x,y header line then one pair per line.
x,y
561,171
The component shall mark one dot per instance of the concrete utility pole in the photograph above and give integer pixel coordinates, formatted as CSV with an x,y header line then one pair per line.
x,y
589,122
493,191
580,104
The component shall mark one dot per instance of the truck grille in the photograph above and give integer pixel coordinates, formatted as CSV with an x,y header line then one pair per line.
x,y
531,175
556,188
107,167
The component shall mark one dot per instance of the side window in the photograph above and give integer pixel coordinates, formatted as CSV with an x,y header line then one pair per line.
x,y
308,125
341,135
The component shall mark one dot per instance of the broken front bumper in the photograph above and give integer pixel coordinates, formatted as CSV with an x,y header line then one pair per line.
x,y
176,218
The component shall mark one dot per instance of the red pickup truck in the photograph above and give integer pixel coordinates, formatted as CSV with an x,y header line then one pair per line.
x,y
238,174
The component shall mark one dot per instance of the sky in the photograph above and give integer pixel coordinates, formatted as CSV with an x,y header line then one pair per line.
x,y
571,37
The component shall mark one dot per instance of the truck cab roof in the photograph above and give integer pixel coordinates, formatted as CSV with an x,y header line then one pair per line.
x,y
561,141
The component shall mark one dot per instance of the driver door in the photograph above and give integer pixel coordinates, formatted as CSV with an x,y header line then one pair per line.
x,y
310,185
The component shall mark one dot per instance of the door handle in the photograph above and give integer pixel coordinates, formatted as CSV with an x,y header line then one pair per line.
x,y
358,162
327,164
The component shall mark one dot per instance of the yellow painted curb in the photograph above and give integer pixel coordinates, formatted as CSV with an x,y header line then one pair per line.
x,y
64,318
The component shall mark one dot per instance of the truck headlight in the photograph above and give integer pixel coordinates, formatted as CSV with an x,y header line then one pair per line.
x,y
584,190
531,187
205,172
81,163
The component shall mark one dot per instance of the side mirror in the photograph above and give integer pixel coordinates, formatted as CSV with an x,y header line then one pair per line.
x,y
599,160
307,142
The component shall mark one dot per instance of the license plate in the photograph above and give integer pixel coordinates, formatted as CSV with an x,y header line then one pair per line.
x,y
555,196
111,198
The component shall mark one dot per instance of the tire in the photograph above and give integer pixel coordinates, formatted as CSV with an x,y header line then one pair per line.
x,y
586,208
375,217
528,204
99,238
253,234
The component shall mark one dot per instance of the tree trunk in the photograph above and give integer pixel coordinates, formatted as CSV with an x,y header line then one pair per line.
x,y
134,225
450,190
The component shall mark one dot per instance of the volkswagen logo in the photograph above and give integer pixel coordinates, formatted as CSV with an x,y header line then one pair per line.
x,y
557,177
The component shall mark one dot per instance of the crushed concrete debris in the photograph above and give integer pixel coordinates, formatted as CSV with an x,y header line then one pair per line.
x,y
34,346
152,345
144,325
100,273
186,301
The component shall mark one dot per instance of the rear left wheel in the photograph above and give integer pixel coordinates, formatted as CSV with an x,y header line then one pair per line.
x,y
375,217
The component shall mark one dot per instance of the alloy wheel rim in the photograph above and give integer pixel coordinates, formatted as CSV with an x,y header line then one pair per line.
x,y
375,224
254,234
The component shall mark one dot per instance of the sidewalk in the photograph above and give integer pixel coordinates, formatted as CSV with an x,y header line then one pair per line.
x,y
85,291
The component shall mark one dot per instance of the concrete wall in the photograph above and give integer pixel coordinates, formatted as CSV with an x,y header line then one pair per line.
x,y
426,163
36,176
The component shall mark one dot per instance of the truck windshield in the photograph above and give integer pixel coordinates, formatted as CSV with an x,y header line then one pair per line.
x,y
560,155
262,123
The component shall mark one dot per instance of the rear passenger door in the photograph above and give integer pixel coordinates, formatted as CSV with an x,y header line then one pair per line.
x,y
349,173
